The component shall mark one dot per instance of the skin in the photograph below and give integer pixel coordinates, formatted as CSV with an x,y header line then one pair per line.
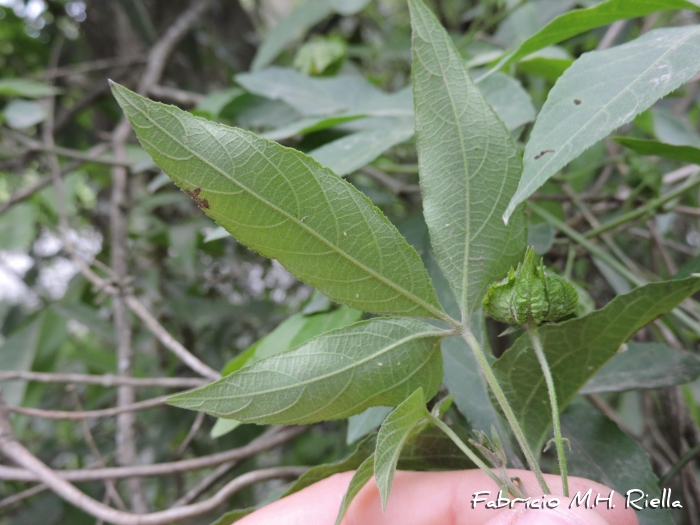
x,y
438,498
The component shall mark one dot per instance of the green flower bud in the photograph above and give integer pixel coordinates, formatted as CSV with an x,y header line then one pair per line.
x,y
530,294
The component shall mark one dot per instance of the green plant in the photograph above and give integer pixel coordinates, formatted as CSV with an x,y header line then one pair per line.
x,y
283,204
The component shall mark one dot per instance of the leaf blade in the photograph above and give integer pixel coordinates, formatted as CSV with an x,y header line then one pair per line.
x,y
336,375
394,432
238,180
466,156
580,110
577,349
579,21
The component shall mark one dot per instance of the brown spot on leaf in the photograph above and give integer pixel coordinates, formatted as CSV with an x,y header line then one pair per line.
x,y
577,101
202,203
543,153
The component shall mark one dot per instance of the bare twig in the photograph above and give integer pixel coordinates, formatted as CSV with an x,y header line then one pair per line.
x,y
96,65
679,247
91,414
13,448
24,194
185,98
611,34
395,186
10,447
48,147
157,57
168,340
21,496
270,439
204,484
106,380
190,435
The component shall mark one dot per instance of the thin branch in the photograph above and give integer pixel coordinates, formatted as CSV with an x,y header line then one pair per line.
x,y
184,98
90,414
395,186
106,380
11,447
204,484
26,193
168,340
190,435
270,439
96,65
49,147
21,496
611,35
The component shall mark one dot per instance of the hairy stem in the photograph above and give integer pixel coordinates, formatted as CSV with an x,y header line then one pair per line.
x,y
468,452
558,441
507,410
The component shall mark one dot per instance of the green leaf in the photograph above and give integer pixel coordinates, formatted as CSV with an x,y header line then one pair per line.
x,y
314,96
362,475
223,426
298,22
352,152
600,451
508,99
284,205
580,109
362,424
291,28
336,375
308,125
432,449
577,349
644,365
689,268
541,237
18,227
688,154
22,114
233,516
315,474
396,429
469,166
672,129
214,103
17,353
291,333
19,87
579,21
321,55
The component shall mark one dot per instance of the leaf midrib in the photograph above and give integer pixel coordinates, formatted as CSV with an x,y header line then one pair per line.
x,y
426,306
355,364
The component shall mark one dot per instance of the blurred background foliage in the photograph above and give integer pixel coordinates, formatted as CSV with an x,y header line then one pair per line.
x,y
330,78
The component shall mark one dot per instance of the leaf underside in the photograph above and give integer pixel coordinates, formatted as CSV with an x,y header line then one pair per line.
x,y
284,205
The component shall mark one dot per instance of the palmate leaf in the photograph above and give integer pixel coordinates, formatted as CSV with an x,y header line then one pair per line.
x,y
600,92
285,205
336,375
469,166
577,349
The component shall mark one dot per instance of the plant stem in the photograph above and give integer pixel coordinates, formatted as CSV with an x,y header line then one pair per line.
x,y
468,452
507,410
559,442
643,210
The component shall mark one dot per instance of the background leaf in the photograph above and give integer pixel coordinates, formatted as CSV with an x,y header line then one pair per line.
x,y
580,110
577,349
644,365
508,99
338,374
579,21
466,156
306,217
22,114
362,424
688,154
395,430
602,452
20,87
